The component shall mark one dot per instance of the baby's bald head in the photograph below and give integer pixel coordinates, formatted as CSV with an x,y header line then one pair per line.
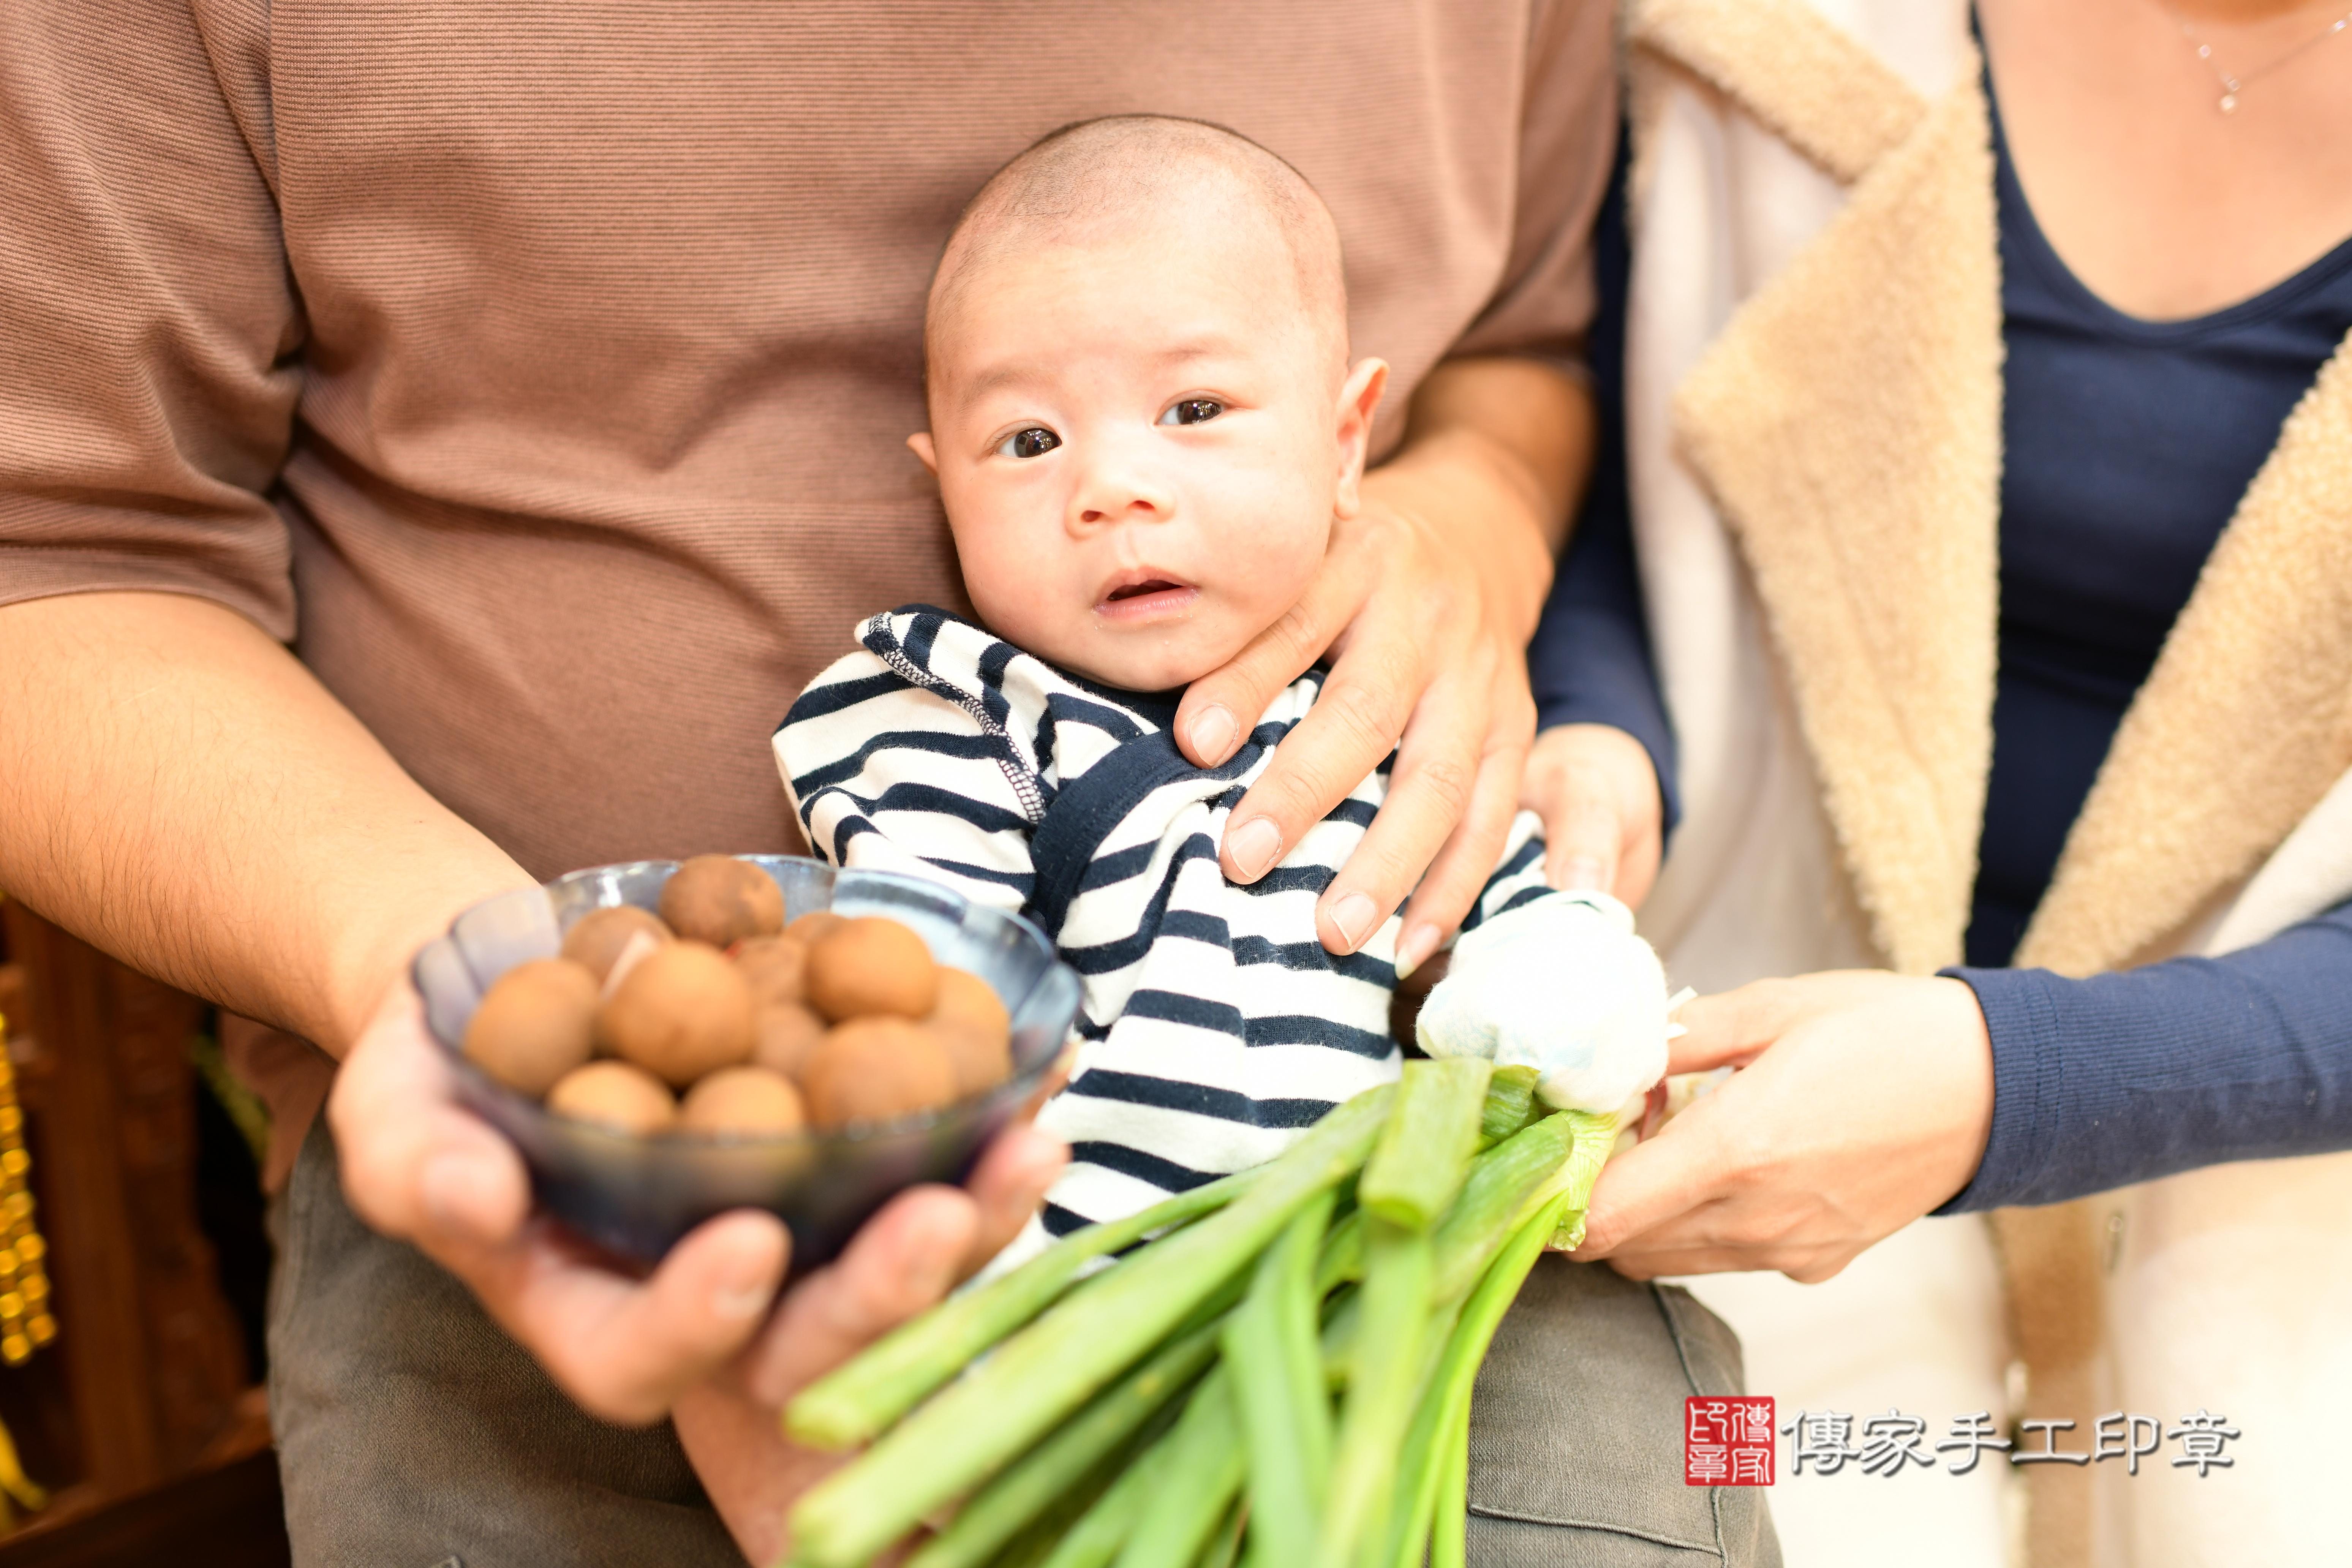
x,y
1101,180
1142,417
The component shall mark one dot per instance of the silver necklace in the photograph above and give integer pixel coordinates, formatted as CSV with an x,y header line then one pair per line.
x,y
2233,86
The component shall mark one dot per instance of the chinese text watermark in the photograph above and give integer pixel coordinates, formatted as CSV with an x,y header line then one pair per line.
x,y
1731,1442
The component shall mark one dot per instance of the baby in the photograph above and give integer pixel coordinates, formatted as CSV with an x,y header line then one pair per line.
x,y
1144,422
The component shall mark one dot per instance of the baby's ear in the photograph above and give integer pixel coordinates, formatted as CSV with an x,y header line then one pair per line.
x,y
920,443
1359,399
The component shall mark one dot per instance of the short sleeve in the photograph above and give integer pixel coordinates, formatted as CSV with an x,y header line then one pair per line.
x,y
148,324
887,776
1567,141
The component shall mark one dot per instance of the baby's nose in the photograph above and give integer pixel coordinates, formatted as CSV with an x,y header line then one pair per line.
x,y
1120,487
1137,511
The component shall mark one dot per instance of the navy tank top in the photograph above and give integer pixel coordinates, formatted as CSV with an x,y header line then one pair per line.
x,y
2127,445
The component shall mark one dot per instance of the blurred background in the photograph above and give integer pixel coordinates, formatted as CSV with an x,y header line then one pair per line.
x,y
135,1270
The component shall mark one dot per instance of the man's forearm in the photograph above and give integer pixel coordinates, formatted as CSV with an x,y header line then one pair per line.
x,y
175,787
1494,454
1534,422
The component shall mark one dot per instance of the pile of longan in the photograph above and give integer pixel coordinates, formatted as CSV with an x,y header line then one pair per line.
x,y
717,1018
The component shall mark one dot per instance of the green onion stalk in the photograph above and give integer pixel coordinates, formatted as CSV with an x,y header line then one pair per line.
x,y
1278,1376
988,1418
1195,1483
1431,1508
1272,1346
856,1402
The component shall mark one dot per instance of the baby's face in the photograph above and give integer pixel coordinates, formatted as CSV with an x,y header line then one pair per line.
x,y
1142,446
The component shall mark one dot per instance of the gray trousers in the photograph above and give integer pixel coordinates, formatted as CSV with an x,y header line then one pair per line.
x,y
412,1433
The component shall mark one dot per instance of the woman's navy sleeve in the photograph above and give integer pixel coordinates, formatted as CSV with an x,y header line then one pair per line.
x,y
2138,1074
1589,661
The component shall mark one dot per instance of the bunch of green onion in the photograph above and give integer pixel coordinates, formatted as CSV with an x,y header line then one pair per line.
x,y
1281,1371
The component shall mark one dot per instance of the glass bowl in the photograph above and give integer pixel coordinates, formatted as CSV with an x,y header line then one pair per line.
x,y
638,1196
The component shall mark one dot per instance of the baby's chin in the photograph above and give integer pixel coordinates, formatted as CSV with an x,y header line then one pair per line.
x,y
1139,668
1158,658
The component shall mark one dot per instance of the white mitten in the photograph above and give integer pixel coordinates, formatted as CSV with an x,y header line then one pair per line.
x,y
1561,984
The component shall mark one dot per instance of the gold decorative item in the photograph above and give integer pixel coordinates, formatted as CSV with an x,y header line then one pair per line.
x,y
25,1323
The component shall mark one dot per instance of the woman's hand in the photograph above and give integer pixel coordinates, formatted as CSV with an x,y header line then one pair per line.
x,y
420,1167
1597,791
1427,598
906,1259
1863,1101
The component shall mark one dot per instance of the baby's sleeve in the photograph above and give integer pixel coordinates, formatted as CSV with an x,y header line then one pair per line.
x,y
1518,876
888,776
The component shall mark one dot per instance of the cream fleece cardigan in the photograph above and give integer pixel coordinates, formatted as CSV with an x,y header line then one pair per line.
x,y
1813,407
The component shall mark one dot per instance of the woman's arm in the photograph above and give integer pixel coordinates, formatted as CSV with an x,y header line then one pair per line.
x,y
1600,773
2128,1077
1865,1100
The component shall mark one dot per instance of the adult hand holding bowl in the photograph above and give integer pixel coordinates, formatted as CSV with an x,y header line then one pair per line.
x,y
420,1164
638,1194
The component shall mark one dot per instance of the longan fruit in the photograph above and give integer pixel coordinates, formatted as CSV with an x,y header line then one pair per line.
x,y
683,1011
876,1070
810,928
972,1025
533,1024
870,965
722,900
775,967
616,1095
784,1037
748,1101
598,937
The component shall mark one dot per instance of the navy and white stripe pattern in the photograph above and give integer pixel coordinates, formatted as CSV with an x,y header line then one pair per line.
x,y
1215,1025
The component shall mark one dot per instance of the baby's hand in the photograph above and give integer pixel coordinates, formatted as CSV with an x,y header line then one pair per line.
x,y
1563,985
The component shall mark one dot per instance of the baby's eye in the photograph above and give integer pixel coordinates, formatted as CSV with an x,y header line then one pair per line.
x,y
1193,411
1033,442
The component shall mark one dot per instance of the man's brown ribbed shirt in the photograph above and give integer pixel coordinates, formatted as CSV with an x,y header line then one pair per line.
x,y
540,371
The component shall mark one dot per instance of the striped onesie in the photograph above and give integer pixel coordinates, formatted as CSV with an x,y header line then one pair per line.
x,y
1213,1027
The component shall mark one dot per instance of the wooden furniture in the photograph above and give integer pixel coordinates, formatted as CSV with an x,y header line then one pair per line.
x,y
147,1379
232,1517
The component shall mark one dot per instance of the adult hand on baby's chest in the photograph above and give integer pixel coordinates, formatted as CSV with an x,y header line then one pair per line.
x,y
1425,603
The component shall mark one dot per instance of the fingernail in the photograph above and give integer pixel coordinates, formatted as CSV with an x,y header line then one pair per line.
x,y
1212,735
1355,916
450,1186
1044,1162
1583,874
1413,951
737,1303
1254,845
943,1235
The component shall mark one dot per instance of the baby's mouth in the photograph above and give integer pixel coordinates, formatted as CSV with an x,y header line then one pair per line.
x,y
1142,597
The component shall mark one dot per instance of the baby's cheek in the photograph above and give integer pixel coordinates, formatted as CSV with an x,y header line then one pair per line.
x,y
1266,563
1031,614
